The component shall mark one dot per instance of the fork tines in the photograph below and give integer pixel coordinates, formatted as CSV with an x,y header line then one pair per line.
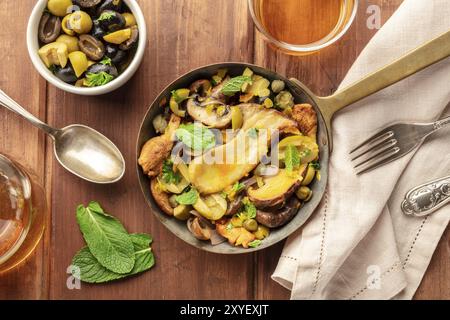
x,y
376,151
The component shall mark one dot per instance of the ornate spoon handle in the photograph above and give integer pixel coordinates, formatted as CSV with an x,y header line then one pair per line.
x,y
427,198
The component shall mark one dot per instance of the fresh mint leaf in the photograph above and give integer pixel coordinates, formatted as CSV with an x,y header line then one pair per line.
x,y
168,175
98,79
249,209
188,198
91,271
292,158
106,15
255,243
238,187
196,137
107,239
234,85
253,133
106,61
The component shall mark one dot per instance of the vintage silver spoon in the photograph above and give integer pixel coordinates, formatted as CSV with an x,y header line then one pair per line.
x,y
425,199
81,150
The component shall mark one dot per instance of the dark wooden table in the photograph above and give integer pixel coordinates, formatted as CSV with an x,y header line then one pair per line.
x,y
182,35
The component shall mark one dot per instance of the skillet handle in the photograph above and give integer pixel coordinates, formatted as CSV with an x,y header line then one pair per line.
x,y
414,61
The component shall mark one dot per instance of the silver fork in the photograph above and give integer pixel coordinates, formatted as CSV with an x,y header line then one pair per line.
x,y
392,143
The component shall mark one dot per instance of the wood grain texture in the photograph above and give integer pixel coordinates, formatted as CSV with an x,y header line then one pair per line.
x,y
183,34
20,140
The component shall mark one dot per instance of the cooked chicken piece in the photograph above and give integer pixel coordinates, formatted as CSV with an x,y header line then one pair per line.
x,y
306,117
157,149
226,164
161,197
236,236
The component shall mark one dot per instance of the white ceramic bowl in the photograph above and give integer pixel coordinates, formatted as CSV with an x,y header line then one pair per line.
x,y
33,47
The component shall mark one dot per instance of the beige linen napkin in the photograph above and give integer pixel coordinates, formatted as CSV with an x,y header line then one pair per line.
x,y
358,244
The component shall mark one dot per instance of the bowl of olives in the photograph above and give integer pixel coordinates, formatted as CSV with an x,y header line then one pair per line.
x,y
87,47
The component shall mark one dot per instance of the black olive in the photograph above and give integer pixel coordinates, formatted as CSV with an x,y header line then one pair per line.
x,y
111,20
115,54
93,48
86,3
132,42
100,67
66,74
97,30
115,5
49,28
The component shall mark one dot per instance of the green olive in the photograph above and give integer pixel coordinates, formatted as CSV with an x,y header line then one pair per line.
x,y
130,20
277,86
71,42
79,62
59,7
54,53
310,174
66,27
118,37
182,212
250,225
173,201
262,232
304,193
284,100
80,22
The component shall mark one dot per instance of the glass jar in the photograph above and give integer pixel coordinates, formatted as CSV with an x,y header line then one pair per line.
x,y
22,213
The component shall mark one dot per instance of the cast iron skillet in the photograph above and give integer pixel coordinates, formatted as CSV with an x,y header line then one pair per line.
x,y
325,107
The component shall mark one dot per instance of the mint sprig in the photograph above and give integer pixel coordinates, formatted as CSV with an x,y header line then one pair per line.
x,y
111,253
105,16
195,136
234,85
168,175
187,198
98,79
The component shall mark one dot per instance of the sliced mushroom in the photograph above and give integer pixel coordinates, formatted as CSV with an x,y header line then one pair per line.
x,y
216,92
49,28
234,206
281,217
211,119
132,42
198,229
92,47
200,87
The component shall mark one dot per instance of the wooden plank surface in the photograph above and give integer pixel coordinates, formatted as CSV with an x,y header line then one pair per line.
x,y
183,34
20,140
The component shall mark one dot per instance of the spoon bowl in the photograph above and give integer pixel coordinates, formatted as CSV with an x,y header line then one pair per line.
x,y
81,150
88,154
